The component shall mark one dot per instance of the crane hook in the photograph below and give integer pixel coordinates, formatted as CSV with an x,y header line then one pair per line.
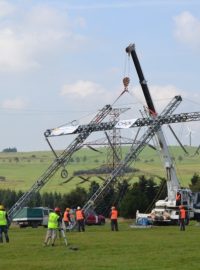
x,y
126,81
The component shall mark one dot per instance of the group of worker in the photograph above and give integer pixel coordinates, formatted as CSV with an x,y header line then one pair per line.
x,y
55,222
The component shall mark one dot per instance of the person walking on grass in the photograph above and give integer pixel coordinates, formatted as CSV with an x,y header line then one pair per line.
x,y
113,219
182,217
53,226
4,224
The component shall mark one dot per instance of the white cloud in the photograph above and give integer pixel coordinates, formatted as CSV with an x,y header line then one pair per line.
x,y
161,95
15,51
16,103
82,89
5,8
187,29
86,95
37,32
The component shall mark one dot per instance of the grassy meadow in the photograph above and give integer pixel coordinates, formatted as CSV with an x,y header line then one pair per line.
x,y
99,248
18,171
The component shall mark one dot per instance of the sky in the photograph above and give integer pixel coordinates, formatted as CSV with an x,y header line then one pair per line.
x,y
64,60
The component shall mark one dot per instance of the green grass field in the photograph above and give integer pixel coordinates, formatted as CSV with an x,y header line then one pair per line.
x,y
99,248
21,170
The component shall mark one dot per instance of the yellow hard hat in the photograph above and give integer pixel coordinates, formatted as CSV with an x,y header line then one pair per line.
x,y
67,209
1,207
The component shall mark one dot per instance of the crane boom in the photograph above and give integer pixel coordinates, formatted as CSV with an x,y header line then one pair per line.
x,y
61,160
172,180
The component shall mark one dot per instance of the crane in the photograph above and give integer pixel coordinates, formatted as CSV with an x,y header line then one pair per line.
x,y
173,184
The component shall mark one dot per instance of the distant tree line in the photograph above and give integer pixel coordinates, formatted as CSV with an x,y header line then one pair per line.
x,y
10,150
127,197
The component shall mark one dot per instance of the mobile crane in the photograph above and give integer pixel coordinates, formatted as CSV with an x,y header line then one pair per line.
x,y
165,210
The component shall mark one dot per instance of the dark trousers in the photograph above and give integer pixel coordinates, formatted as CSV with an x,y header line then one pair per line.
x,y
81,225
182,224
114,225
4,229
66,224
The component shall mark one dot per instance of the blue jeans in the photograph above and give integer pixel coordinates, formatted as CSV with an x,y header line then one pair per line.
x,y
4,229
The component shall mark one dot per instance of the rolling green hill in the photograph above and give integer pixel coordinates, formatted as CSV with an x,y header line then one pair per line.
x,y
18,171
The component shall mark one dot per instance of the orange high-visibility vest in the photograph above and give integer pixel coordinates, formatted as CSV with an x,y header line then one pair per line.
x,y
65,217
114,214
182,213
79,215
178,197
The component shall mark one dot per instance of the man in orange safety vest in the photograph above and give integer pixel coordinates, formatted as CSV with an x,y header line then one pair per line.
x,y
113,219
80,218
66,217
182,217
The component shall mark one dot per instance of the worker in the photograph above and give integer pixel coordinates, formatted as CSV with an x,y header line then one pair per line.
x,y
113,218
4,224
66,218
178,199
54,222
182,217
80,219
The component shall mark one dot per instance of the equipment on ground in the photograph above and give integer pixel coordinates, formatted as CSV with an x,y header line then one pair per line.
x,y
63,235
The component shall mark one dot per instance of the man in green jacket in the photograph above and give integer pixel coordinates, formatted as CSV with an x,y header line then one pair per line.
x,y
4,222
53,226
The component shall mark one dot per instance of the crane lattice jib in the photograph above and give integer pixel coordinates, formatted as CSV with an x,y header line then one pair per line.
x,y
61,160
131,156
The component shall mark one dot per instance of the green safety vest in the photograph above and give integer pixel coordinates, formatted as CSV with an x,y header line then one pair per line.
x,y
53,221
3,220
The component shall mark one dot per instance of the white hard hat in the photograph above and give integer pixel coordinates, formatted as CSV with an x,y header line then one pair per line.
x,y
78,208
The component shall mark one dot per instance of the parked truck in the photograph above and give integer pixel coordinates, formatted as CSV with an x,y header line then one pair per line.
x,y
32,217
